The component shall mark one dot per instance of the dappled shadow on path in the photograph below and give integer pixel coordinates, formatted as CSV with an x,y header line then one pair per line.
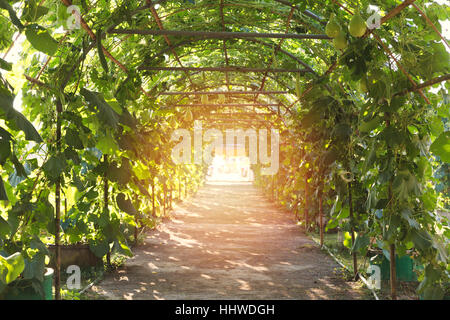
x,y
228,242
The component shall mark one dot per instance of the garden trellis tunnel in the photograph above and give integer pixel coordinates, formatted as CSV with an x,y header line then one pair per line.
x,y
102,86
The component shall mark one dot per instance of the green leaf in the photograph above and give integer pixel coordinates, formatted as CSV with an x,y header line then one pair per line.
x,y
433,293
361,243
107,144
12,14
5,65
35,267
23,124
15,119
441,146
407,215
5,228
370,125
11,267
5,150
125,204
393,136
122,248
73,139
99,248
41,40
55,166
33,12
421,239
3,195
105,112
101,55
330,156
347,240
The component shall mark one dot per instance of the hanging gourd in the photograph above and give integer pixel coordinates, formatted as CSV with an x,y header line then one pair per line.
x,y
363,85
340,42
204,99
189,116
333,28
297,86
357,26
221,99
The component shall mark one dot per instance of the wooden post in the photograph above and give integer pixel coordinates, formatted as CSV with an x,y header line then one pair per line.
x,y
321,215
164,198
136,228
153,197
58,207
392,270
171,198
392,266
179,187
392,255
105,204
306,203
272,187
352,229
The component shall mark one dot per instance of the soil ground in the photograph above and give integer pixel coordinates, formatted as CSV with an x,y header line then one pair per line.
x,y
229,242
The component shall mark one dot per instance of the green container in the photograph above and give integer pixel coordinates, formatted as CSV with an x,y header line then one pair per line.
x,y
28,293
404,268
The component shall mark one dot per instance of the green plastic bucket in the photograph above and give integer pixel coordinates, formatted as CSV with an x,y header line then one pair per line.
x,y
404,268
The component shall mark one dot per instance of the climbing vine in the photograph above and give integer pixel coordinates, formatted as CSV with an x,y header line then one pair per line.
x,y
87,159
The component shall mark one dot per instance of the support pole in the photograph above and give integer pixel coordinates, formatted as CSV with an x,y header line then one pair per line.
x,y
306,210
321,215
224,69
179,187
219,34
392,254
164,198
58,207
153,197
352,229
105,204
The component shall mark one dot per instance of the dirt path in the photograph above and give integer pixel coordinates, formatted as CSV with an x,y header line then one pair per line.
x,y
229,242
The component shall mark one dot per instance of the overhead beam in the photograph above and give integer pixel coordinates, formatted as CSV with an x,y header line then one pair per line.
x,y
245,114
228,105
234,120
224,69
220,34
176,93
